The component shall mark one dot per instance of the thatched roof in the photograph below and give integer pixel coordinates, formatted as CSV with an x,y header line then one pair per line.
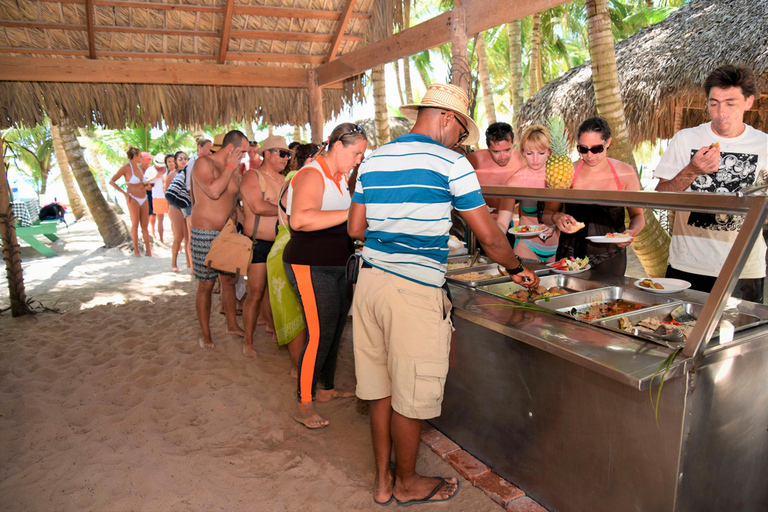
x,y
664,64
270,34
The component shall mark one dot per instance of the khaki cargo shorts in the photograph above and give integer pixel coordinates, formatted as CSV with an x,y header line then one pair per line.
x,y
402,337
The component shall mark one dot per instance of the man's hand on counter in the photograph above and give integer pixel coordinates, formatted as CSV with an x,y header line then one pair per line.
x,y
526,278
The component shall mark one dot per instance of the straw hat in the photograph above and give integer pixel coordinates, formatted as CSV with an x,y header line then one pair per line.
x,y
159,160
217,140
273,142
446,97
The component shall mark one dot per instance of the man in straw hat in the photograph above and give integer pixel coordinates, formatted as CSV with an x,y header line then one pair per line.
x,y
260,190
215,187
402,206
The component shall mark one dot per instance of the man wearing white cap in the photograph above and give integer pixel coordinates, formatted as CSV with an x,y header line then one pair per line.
x,y
402,206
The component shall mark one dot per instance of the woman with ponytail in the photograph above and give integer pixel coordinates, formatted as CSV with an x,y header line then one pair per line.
x,y
315,262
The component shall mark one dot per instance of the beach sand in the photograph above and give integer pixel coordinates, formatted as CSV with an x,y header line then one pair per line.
x,y
112,406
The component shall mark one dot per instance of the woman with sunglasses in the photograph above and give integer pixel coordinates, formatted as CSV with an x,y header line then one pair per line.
x,y
595,171
178,224
315,261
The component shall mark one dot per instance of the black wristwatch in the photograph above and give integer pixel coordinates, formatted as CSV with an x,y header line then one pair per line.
x,y
516,270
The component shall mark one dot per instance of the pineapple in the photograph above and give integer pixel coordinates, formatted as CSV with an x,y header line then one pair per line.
x,y
559,170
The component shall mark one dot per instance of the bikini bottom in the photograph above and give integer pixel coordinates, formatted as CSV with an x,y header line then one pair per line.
x,y
139,200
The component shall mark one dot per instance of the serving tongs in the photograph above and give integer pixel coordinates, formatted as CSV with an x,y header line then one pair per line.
x,y
475,257
674,336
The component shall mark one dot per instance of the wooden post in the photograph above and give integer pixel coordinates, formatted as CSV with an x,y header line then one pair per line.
x,y
316,117
459,64
11,252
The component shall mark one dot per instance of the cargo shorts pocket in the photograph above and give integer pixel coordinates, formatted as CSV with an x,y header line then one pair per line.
x,y
429,383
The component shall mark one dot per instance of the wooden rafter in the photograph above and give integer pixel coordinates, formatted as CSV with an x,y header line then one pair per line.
x,y
288,36
341,27
481,15
89,24
225,25
276,57
37,69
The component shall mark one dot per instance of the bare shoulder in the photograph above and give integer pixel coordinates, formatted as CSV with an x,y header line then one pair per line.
x,y
478,158
627,175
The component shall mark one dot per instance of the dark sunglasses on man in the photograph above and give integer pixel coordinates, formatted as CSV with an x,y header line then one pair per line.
x,y
464,133
283,153
595,150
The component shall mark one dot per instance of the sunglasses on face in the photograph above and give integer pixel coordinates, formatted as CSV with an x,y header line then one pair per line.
x,y
283,153
595,150
464,133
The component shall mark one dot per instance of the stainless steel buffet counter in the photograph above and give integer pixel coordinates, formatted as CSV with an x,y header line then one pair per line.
x,y
562,408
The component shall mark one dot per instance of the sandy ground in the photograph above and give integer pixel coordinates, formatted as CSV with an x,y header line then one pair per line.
x,y
111,405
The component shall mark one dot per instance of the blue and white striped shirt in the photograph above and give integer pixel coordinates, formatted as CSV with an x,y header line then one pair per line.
x,y
409,187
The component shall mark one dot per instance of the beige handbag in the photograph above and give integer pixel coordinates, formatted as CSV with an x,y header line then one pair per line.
x,y
230,251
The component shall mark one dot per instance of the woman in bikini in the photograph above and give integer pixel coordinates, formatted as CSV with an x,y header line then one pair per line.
x,y
534,144
176,164
136,197
595,171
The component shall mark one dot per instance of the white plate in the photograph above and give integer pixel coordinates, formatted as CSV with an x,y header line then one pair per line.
x,y
528,233
455,245
571,272
670,285
609,239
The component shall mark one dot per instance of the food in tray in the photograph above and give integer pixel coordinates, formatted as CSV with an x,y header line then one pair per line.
x,y
456,265
650,283
652,324
475,276
541,292
605,309
570,264
531,228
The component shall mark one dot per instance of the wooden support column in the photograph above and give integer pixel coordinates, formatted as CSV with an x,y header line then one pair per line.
x,y
316,117
89,22
460,75
11,253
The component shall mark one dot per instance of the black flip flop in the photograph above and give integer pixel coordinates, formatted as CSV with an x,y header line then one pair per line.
x,y
427,499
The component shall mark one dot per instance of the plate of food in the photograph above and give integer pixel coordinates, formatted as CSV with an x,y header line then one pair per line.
x,y
528,230
570,265
610,238
662,285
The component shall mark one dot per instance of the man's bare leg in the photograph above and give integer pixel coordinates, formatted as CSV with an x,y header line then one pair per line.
x,y
228,302
381,419
257,281
160,217
409,485
295,347
203,308
266,311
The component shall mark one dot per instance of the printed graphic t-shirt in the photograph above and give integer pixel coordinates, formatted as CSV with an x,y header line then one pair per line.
x,y
702,241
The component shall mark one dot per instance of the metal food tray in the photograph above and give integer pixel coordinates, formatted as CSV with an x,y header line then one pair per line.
x,y
739,320
584,300
482,260
492,269
569,283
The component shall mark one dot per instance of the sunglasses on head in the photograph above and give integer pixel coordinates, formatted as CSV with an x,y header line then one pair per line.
x,y
595,150
283,153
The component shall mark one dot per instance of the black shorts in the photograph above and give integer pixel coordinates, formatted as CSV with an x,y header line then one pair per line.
x,y
149,198
261,250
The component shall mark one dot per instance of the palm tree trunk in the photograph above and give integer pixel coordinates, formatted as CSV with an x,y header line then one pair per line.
x,y
11,253
248,129
460,74
381,116
270,130
112,229
534,64
652,244
297,133
485,79
407,59
396,66
75,201
514,34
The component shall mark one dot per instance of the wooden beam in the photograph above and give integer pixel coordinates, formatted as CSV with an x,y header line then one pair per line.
x,y
288,36
153,5
225,25
119,55
481,15
346,13
316,116
157,31
291,58
41,26
36,69
43,51
282,12
89,24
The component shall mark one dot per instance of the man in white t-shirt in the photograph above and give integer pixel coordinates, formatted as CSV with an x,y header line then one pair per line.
x,y
722,156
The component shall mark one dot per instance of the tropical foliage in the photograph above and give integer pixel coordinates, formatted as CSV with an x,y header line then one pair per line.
x,y
113,144
31,154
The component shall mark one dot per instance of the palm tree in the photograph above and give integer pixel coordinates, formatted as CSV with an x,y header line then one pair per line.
x,y
485,79
75,201
652,243
112,229
381,117
11,252
32,150
514,38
